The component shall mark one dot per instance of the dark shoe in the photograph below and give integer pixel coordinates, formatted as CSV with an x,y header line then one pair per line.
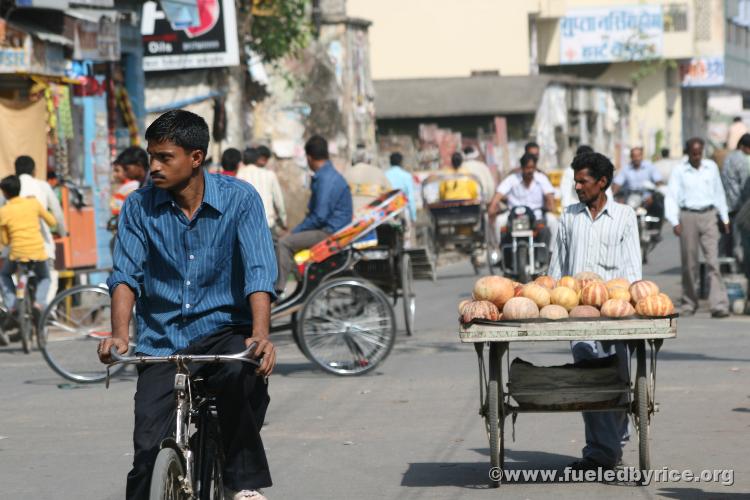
x,y
720,314
588,464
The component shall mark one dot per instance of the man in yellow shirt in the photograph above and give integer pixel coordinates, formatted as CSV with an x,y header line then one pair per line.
x,y
461,186
21,230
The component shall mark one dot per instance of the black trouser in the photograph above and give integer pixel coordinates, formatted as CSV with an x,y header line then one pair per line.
x,y
241,399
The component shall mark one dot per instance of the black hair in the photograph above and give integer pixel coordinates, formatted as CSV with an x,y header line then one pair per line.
x,y
737,119
133,155
693,140
230,159
25,165
527,157
250,156
665,152
597,164
11,186
468,150
744,141
263,151
456,160
583,149
187,130
397,158
316,148
529,145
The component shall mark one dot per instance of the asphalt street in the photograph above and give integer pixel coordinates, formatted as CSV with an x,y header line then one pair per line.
x,y
410,430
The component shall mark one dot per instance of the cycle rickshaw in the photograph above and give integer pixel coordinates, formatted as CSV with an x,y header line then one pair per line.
x,y
341,313
459,224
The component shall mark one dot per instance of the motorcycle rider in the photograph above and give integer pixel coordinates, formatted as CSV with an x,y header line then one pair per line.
x,y
634,177
527,188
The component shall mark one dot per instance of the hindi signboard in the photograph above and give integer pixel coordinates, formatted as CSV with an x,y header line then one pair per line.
x,y
702,72
212,43
609,34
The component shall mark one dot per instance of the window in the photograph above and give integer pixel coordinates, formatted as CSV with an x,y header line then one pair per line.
x,y
675,17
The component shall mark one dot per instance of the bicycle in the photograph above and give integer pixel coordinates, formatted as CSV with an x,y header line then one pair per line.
x,y
25,291
70,328
189,466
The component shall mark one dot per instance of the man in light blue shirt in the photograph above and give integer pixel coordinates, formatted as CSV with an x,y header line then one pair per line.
x,y
695,199
401,179
635,176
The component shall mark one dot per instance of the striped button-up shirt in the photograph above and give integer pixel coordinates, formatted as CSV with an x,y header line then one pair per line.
x,y
608,245
192,277
695,188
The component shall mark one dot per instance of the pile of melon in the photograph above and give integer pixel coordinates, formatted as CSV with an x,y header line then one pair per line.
x,y
585,295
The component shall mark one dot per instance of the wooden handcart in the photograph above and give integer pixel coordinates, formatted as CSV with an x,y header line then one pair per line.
x,y
497,398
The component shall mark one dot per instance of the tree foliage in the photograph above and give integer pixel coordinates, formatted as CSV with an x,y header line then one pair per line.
x,y
279,28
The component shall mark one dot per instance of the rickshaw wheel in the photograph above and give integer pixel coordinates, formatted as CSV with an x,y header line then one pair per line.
x,y
494,415
347,326
407,293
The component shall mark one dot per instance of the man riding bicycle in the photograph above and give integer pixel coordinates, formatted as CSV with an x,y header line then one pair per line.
x,y
195,257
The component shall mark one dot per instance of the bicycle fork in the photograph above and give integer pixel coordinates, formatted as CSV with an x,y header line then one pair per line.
x,y
182,430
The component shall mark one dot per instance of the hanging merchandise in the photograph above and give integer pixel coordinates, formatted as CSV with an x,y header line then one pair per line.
x,y
123,99
51,115
64,113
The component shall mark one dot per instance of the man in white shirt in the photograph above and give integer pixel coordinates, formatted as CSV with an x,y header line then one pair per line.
x,y
527,188
473,165
600,236
695,197
267,184
42,191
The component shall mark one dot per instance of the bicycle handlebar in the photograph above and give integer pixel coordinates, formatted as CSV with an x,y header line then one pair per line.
x,y
243,357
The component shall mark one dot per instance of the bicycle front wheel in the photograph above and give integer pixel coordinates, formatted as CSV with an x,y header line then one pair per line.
x,y
70,330
166,479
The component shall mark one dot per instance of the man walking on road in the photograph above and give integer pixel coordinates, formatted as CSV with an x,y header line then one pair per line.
x,y
195,254
734,176
600,236
267,184
695,198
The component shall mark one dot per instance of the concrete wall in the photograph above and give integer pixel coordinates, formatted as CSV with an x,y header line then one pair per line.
x,y
440,38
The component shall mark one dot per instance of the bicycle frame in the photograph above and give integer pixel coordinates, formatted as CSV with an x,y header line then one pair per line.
x,y
188,406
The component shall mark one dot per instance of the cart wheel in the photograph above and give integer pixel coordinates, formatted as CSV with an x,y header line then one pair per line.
x,y
347,326
496,413
407,293
643,408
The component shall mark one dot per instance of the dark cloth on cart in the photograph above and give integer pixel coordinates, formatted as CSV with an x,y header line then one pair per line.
x,y
288,246
241,400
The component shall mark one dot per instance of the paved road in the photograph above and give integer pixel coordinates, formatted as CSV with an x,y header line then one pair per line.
x,y
409,431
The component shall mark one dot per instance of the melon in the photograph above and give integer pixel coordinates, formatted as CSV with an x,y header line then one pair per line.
x,y
617,308
618,292
553,311
546,281
461,306
642,289
586,275
495,289
520,308
594,294
655,306
517,289
585,312
570,282
480,309
537,293
618,282
565,297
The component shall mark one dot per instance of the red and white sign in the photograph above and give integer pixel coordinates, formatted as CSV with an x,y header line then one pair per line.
x,y
209,44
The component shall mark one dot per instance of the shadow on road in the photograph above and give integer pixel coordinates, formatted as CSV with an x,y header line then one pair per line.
x,y
697,494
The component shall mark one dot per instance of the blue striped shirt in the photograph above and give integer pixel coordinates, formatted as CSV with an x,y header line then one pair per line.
x,y
192,277
608,245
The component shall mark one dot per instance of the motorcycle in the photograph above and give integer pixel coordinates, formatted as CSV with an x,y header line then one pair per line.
x,y
524,250
650,221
